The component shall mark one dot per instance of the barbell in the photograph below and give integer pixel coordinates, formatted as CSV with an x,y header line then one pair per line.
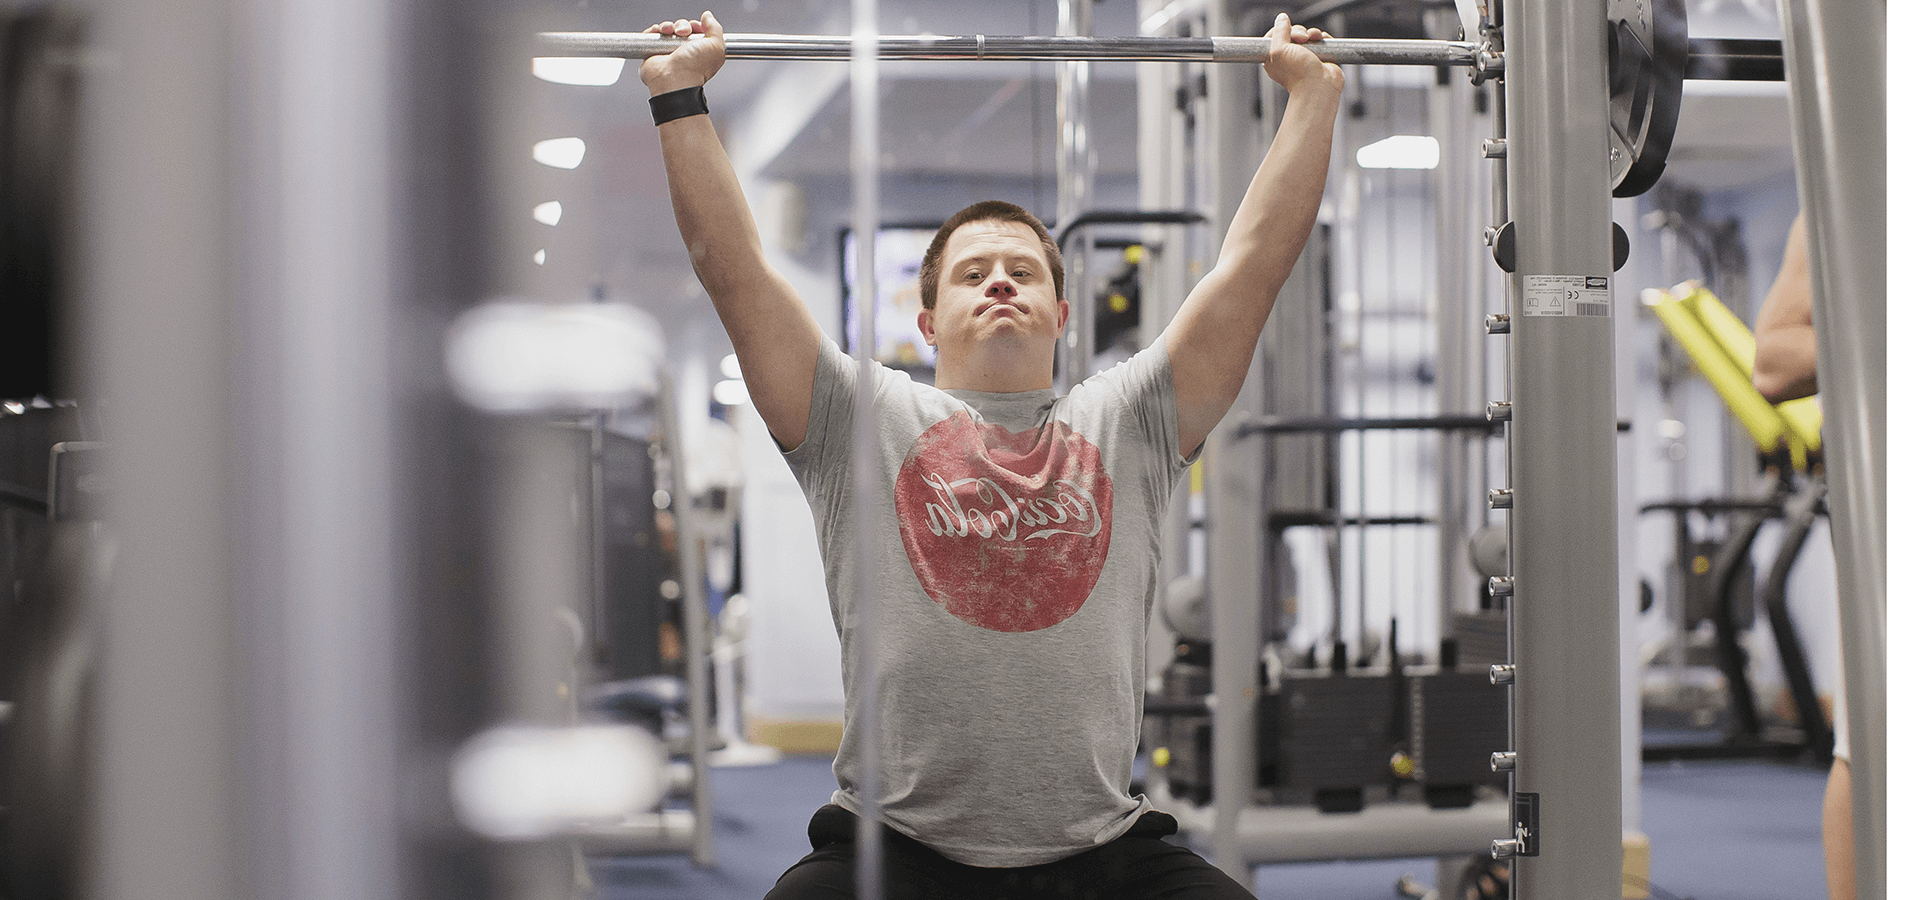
x,y
1649,55
1343,51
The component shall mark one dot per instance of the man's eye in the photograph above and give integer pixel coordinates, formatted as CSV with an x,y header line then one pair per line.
x,y
971,276
1021,273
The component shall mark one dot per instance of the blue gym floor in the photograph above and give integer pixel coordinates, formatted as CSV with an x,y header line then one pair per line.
x,y
1719,831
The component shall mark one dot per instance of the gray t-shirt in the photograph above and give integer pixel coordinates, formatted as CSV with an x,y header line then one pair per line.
x,y
1015,569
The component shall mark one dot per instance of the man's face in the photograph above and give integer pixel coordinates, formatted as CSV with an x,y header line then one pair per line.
x,y
994,286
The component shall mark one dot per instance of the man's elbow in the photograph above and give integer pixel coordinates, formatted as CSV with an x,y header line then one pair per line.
x,y
1779,387
1768,385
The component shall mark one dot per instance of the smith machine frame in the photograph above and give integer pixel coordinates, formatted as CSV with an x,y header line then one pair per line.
x,y
1570,145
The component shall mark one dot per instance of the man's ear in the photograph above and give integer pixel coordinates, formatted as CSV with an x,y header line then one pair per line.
x,y
1065,308
926,325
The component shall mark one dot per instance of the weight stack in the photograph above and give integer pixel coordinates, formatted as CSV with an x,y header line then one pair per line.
x,y
1329,734
636,562
1457,720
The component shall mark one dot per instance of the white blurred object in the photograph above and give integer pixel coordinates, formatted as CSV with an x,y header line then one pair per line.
x,y
1401,151
1488,549
587,71
1187,611
729,647
713,459
548,213
560,153
524,357
730,392
529,782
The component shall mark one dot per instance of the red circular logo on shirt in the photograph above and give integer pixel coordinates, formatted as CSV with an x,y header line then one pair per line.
x,y
1005,531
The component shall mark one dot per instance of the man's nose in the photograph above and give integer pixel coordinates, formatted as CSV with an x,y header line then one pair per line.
x,y
1000,289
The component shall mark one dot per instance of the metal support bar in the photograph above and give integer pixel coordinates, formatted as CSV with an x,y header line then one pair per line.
x,y
666,831
1343,51
1721,59
1271,426
1564,617
1127,217
1236,487
693,625
1837,53
1073,190
1290,834
868,736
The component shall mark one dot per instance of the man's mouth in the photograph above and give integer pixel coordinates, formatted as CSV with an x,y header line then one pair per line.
x,y
1003,307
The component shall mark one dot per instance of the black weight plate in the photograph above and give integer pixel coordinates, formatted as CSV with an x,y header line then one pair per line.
x,y
1647,62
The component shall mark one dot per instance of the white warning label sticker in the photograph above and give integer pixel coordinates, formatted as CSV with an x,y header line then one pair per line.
x,y
1567,295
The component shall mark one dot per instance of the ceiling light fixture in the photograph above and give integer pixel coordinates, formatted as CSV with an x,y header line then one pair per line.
x,y
1402,151
587,71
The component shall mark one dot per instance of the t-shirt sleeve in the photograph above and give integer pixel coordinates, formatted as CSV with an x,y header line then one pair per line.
x,y
829,423
1144,385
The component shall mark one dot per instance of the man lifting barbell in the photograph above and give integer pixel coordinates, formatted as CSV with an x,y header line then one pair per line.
x,y
1014,597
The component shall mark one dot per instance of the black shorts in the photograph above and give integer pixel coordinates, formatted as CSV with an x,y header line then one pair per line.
x,y
1137,864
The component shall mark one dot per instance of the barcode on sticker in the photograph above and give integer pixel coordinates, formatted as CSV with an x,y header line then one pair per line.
x,y
1590,309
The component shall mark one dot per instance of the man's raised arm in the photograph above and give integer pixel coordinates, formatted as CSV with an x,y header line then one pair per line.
x,y
1211,340
773,334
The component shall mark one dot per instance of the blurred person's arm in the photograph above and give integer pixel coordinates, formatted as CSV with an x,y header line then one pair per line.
x,y
1785,354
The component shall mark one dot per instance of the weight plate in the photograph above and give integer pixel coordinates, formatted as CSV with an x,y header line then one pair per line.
x,y
1647,63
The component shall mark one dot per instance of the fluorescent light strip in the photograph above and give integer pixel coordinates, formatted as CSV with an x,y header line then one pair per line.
x,y
587,71
1402,151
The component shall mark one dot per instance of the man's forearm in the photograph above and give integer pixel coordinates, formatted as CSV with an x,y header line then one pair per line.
x,y
773,334
709,207
1211,339
1273,221
1276,215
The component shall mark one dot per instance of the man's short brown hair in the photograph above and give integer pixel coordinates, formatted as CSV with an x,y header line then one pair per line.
x,y
994,210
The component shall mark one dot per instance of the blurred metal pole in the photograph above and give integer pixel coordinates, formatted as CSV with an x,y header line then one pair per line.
x,y
1564,614
235,155
304,619
1236,474
694,618
1162,139
1460,354
1073,189
864,161
1836,81
166,721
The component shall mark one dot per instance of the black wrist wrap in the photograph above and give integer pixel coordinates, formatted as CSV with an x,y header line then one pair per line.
x,y
678,105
